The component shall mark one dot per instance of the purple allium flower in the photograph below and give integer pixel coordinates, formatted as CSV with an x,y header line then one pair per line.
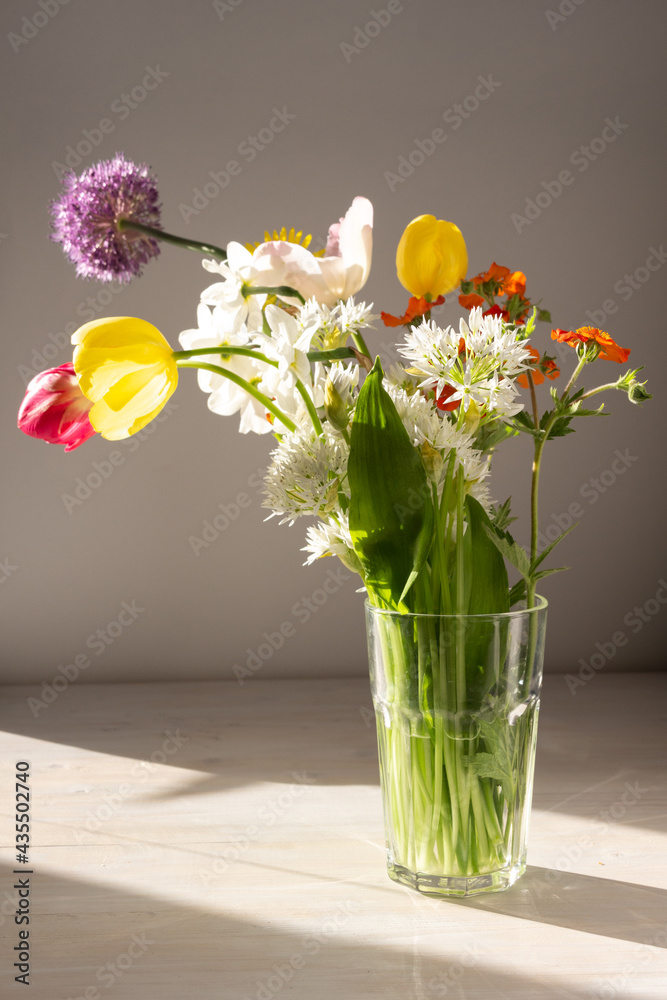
x,y
87,214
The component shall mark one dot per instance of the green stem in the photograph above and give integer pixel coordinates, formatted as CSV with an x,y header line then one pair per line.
x,y
284,290
248,352
250,389
310,406
360,344
180,241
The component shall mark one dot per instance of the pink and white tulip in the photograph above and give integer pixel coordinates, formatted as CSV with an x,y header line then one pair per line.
x,y
55,410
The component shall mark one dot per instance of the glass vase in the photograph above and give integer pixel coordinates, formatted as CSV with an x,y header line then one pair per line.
x,y
456,703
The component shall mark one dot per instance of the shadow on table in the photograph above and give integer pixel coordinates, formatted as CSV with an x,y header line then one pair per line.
x,y
90,937
587,903
222,738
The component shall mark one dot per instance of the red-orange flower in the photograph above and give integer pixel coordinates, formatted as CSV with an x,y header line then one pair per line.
x,y
471,300
609,349
495,273
416,307
441,401
515,284
544,366
497,311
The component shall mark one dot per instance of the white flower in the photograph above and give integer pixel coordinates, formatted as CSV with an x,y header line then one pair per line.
x,y
215,328
334,325
306,474
344,378
288,344
328,538
479,362
240,270
342,271
435,438
228,398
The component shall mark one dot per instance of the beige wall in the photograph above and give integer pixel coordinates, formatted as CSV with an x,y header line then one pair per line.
x,y
360,104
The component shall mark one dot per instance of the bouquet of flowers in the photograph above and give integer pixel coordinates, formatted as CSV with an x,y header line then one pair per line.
x,y
391,466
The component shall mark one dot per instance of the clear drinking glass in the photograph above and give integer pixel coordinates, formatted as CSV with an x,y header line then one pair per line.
x,y
456,703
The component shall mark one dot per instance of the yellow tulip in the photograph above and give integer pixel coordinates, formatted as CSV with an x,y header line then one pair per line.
x,y
431,258
127,369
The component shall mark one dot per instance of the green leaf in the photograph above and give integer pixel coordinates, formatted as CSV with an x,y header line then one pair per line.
x,y
489,590
511,550
545,552
501,515
543,315
548,572
391,511
498,764
525,422
518,592
490,435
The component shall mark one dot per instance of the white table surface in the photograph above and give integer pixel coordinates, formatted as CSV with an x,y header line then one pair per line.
x,y
244,858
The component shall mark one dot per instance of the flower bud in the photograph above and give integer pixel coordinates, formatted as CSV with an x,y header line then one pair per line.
x,y
335,408
55,410
431,258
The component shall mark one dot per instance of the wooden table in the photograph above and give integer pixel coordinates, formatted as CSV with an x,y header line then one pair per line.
x,y
211,840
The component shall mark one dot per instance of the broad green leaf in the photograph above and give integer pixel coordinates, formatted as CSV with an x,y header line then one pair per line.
x,y
518,592
391,511
489,591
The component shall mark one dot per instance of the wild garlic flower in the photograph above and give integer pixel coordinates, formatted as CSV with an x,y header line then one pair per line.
x,y
435,438
334,325
480,361
306,474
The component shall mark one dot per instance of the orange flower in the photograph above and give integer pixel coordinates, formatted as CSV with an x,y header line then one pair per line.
x,y
544,366
515,284
471,300
609,349
495,273
416,307
497,311
441,401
